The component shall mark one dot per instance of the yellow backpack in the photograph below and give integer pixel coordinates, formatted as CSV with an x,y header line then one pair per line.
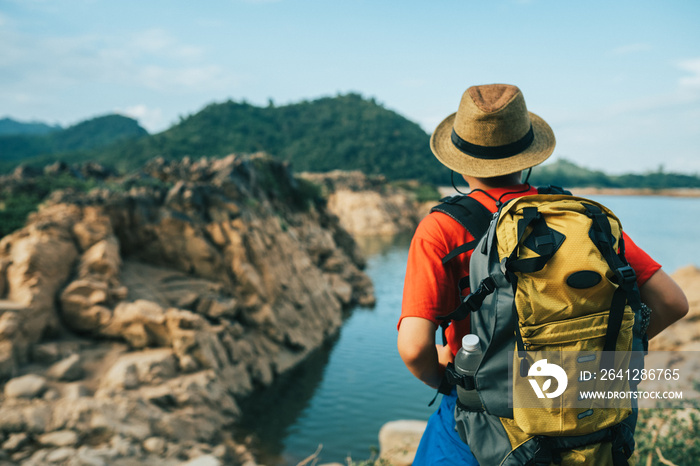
x,y
552,299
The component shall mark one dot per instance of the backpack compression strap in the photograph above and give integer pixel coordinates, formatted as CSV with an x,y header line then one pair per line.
x,y
627,291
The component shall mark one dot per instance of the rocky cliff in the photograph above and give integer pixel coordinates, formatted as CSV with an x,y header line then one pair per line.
x,y
369,205
135,319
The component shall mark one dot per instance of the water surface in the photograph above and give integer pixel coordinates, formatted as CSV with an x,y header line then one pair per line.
x,y
347,390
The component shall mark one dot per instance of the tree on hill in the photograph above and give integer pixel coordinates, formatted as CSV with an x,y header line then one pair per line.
x,y
567,174
10,127
93,134
346,132
96,133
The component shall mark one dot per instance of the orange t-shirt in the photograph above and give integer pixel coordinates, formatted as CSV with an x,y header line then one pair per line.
x,y
431,288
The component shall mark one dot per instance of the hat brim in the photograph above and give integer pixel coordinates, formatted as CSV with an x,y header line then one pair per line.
x,y
541,148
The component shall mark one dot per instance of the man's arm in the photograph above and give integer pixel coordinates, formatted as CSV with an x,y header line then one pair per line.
x,y
417,348
666,300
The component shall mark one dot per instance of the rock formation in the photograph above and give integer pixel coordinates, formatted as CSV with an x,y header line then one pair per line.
x,y
369,205
135,319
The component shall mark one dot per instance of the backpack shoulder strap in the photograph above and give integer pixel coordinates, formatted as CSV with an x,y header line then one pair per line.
x,y
551,189
469,213
473,216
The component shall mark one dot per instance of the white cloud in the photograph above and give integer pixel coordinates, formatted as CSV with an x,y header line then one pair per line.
x,y
682,96
692,66
638,133
150,118
159,41
158,77
151,59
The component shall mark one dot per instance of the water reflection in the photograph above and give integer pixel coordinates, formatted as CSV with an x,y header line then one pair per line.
x,y
269,414
377,245
342,395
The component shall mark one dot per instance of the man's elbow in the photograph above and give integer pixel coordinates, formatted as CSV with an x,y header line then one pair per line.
x,y
410,354
677,307
666,300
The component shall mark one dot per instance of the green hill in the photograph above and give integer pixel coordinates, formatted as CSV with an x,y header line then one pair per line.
x,y
344,132
75,142
567,174
10,127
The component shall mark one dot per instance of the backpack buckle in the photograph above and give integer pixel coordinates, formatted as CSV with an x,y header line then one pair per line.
x,y
487,286
476,299
473,302
467,382
625,275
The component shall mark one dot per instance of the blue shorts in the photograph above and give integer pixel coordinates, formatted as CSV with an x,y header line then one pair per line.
x,y
440,444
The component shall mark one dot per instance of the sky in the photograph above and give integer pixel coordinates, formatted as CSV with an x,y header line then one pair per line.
x,y
619,82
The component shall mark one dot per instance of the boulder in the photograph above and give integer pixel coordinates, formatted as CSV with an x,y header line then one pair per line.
x,y
93,227
155,445
141,323
8,360
140,367
204,460
74,391
68,369
16,441
398,441
26,386
60,438
60,455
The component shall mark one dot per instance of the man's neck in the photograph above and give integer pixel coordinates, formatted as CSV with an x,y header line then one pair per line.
x,y
489,183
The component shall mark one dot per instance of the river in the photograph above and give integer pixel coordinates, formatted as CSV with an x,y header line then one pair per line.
x,y
342,395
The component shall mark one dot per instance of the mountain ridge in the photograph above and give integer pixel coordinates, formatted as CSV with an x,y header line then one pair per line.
x,y
12,127
45,147
342,132
345,132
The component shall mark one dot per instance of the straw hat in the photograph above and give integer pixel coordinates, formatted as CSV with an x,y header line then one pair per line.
x,y
492,134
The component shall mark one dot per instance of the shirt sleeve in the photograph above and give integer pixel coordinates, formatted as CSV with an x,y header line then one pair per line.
x,y
429,287
642,263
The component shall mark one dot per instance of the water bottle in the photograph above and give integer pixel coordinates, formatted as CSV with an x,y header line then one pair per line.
x,y
466,362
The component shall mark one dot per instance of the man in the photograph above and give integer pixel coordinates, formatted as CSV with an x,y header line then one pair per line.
x,y
490,140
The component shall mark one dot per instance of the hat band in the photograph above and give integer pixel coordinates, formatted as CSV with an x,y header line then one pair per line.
x,y
493,152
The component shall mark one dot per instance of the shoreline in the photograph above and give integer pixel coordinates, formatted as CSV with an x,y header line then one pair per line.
x,y
592,191
671,192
